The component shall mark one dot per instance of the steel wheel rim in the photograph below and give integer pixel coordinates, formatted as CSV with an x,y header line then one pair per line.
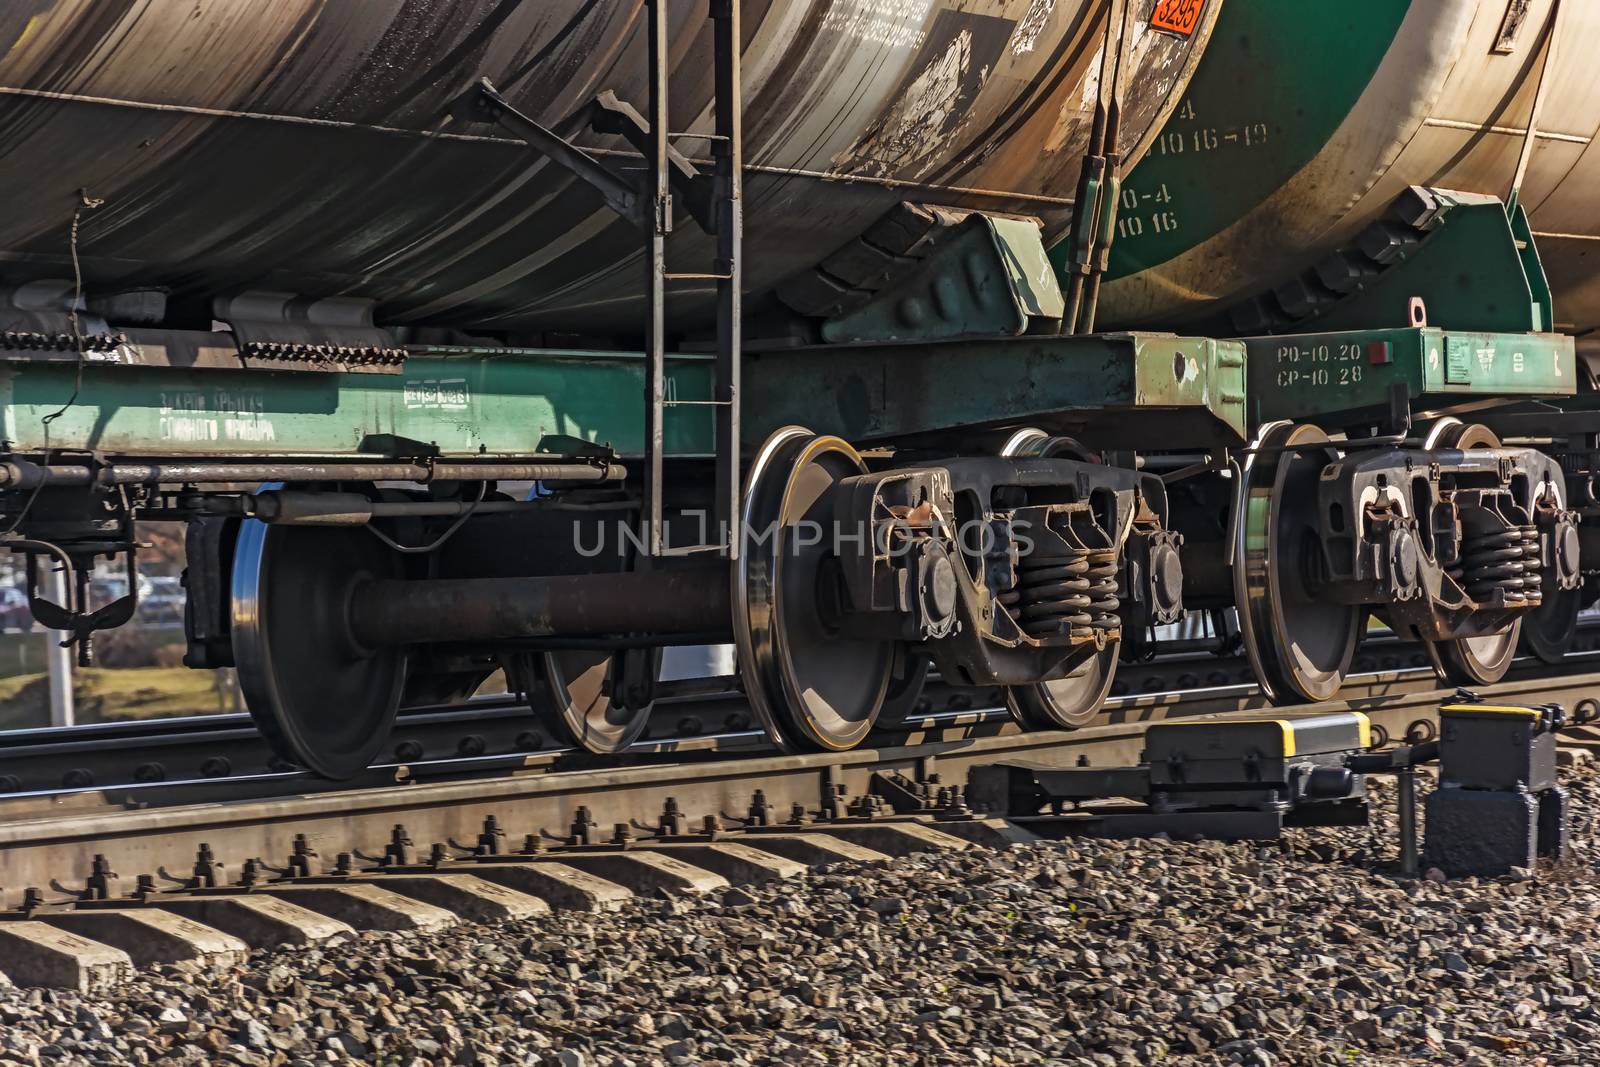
x,y
574,693
1074,701
1300,648
1472,660
1439,431
1475,660
290,586
1034,443
749,625
1460,435
906,681
1067,703
1548,632
780,636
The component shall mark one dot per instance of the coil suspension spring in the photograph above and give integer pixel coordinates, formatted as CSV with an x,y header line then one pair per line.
x,y
1074,593
1507,560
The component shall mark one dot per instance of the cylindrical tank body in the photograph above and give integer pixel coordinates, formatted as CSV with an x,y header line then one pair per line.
x,y
1306,121
306,146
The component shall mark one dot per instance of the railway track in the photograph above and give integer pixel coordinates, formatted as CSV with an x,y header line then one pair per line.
x,y
96,882
498,731
163,834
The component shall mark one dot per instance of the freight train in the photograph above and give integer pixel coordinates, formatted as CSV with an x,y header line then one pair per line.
x,y
539,337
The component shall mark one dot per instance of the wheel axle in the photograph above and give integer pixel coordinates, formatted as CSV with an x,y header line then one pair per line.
x,y
485,610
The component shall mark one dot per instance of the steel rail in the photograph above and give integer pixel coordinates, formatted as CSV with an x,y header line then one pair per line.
x,y
501,728
50,843
229,746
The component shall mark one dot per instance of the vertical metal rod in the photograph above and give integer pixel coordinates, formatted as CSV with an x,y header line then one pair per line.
x,y
63,712
1553,37
660,212
730,255
1091,180
1408,821
1085,206
1111,185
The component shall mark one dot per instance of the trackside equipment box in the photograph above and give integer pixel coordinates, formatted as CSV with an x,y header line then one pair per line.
x,y
1498,805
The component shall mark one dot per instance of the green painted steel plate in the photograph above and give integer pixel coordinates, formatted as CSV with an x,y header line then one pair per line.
x,y
1331,377
499,402
1116,391
495,403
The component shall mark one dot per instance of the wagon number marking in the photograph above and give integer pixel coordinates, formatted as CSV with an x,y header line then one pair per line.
x,y
1179,17
1321,365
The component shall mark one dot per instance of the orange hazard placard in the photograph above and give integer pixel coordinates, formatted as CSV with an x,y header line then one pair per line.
x,y
1178,16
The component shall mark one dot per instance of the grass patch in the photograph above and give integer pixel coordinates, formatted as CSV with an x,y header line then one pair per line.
x,y
114,695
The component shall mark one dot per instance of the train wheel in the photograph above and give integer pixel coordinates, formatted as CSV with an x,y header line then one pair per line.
x,y
810,686
321,698
1040,445
581,696
1299,645
1067,703
1548,631
1474,660
1074,701
906,683
1440,430
1471,660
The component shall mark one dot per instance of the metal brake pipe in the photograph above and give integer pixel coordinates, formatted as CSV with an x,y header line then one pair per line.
x,y
398,612
353,509
22,474
1174,462
1359,444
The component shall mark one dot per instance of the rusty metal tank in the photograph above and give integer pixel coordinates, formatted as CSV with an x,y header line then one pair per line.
x,y
1306,121
306,146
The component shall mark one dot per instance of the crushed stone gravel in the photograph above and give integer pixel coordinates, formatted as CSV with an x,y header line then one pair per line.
x,y
1312,951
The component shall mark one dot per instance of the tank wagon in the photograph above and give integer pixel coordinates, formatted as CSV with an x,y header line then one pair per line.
x,y
1300,131
311,149
1266,205
786,313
